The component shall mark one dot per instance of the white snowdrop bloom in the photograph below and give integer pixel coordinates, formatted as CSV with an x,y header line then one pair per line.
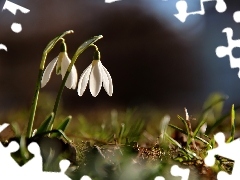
x,y
62,61
97,75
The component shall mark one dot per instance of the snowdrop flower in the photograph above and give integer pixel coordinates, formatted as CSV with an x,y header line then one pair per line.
x,y
62,61
97,75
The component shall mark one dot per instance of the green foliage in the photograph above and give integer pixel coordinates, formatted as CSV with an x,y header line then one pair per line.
x,y
62,127
46,124
117,128
110,148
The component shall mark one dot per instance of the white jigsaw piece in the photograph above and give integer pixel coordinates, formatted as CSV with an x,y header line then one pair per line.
x,y
182,9
222,51
33,169
10,169
159,178
227,150
236,16
4,125
12,7
177,171
111,1
6,160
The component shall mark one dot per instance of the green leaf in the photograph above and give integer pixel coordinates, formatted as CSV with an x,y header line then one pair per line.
x,y
85,45
219,121
196,137
163,127
214,102
46,125
203,121
62,126
232,124
120,135
189,135
173,141
185,123
52,43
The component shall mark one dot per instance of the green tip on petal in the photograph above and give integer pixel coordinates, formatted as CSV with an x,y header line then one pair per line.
x,y
96,55
63,47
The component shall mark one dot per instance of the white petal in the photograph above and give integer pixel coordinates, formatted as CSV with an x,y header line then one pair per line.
x,y
95,82
72,78
83,81
48,71
107,81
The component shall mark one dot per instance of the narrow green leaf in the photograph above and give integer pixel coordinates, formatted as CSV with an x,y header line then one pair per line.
x,y
85,45
232,124
182,131
173,141
52,43
185,123
58,131
163,127
202,122
220,99
62,126
122,130
219,121
46,125
189,135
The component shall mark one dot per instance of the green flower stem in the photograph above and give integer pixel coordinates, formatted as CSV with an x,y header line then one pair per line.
x,y
48,48
79,51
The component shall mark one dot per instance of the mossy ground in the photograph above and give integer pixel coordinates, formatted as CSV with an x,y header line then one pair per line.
x,y
129,144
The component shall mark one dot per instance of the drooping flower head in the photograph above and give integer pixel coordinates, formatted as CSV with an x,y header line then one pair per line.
x,y
97,75
62,61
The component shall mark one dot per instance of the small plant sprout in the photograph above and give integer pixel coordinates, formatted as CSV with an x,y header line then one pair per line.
x,y
190,132
97,75
62,61
163,127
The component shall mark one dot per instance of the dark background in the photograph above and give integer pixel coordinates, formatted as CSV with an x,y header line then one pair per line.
x,y
154,59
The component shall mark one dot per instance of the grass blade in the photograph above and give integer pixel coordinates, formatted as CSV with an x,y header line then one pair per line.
x,y
220,99
219,121
185,123
173,141
163,127
202,122
46,125
232,124
62,126
182,131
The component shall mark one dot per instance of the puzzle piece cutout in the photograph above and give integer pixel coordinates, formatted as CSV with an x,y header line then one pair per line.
x,y
6,158
4,125
182,7
16,27
2,46
236,16
227,150
159,178
10,169
85,178
111,1
177,171
12,7
222,51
